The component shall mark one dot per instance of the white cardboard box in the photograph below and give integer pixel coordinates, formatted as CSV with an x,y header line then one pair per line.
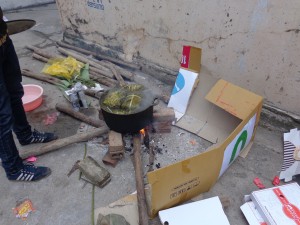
x,y
204,212
252,215
278,205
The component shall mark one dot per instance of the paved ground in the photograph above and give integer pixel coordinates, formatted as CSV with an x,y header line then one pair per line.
x,y
62,200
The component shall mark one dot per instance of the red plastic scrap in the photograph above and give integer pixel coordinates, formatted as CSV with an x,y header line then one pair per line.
x,y
276,181
258,183
51,118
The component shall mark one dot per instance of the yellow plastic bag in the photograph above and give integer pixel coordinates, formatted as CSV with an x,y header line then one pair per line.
x,y
63,67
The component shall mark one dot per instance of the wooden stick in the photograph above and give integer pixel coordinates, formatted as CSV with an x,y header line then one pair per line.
x,y
92,93
39,57
99,75
116,73
142,206
41,52
125,73
41,77
94,76
55,81
78,115
101,81
57,144
81,58
86,52
105,73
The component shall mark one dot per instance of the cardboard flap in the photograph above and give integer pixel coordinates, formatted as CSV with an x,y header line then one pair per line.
x,y
233,99
204,118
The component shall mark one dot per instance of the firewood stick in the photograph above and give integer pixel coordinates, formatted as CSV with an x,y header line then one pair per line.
x,y
142,206
93,66
54,81
42,52
41,77
100,80
81,58
105,73
94,76
60,143
39,57
78,115
86,52
92,93
125,73
100,75
103,64
116,74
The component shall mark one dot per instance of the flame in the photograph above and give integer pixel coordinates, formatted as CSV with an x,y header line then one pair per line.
x,y
143,132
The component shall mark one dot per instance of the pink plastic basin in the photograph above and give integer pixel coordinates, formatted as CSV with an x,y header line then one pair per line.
x,y
32,97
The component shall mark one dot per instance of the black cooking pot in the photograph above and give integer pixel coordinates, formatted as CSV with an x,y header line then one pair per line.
x,y
133,122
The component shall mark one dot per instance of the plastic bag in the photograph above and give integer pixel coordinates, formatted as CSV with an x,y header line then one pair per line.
x,y
63,67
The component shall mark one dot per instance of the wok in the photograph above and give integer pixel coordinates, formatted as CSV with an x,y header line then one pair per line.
x,y
132,122
17,26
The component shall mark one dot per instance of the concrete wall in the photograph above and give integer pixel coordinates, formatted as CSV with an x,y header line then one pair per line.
x,y
16,4
254,44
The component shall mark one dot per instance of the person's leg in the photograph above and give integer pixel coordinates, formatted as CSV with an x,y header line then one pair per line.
x,y
13,79
9,155
11,161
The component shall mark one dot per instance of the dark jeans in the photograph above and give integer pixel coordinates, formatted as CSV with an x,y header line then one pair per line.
x,y
12,115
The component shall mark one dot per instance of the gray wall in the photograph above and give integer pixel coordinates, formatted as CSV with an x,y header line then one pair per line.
x,y
16,4
254,44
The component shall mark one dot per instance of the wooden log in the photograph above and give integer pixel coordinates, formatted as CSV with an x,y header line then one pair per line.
x,y
55,81
82,58
78,115
41,77
39,57
125,73
141,197
86,52
42,52
92,93
104,73
94,76
101,81
116,73
99,75
60,143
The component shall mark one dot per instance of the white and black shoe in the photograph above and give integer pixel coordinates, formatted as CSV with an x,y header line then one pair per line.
x,y
38,137
30,172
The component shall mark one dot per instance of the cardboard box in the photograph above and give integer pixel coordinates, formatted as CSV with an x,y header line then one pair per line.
x,y
222,113
278,205
252,215
204,212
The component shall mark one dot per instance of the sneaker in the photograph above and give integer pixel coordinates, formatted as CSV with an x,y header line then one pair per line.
x,y
38,137
30,172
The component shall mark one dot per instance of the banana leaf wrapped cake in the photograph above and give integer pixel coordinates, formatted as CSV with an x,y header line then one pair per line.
x,y
127,99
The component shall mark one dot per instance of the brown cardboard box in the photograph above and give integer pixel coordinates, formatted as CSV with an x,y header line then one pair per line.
x,y
224,114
